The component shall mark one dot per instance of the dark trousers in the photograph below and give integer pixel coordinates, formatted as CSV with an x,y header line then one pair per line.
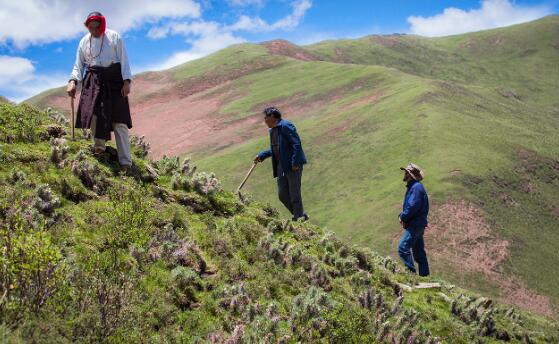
x,y
289,191
412,247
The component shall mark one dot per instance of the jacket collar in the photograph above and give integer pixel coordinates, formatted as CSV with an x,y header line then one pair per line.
x,y
280,123
411,182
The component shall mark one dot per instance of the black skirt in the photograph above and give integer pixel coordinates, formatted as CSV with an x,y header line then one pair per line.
x,y
101,96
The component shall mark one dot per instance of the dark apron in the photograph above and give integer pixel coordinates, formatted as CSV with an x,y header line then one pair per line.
x,y
101,96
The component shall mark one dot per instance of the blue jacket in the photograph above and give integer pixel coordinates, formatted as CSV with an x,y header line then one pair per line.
x,y
416,206
290,149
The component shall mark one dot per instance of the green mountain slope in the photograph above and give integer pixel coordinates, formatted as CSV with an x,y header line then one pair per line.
x,y
483,124
520,57
163,254
479,112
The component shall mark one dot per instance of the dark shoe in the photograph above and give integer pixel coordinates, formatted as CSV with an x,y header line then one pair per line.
x,y
97,151
126,169
101,154
112,153
305,218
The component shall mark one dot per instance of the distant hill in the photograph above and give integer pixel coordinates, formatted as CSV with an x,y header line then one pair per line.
x,y
479,112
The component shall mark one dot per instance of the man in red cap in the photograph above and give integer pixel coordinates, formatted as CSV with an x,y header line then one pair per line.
x,y
103,69
413,219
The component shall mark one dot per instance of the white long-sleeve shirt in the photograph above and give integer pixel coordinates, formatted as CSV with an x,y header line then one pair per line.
x,y
113,52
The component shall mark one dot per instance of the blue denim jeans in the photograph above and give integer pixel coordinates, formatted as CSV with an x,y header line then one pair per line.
x,y
412,248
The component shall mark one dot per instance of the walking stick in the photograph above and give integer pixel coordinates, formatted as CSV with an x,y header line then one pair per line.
x,y
248,175
73,115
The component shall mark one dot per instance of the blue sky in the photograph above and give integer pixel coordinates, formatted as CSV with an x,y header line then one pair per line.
x,y
38,38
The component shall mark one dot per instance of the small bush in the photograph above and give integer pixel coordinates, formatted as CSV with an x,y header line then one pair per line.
x,y
57,117
46,202
32,271
186,282
89,173
124,223
187,169
168,165
59,150
21,123
205,183
140,145
17,176
181,182
308,308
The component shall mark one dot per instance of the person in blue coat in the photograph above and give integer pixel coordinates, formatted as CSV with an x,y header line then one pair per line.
x,y
288,159
413,219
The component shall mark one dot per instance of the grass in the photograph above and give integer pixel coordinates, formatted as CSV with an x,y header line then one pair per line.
x,y
146,259
461,107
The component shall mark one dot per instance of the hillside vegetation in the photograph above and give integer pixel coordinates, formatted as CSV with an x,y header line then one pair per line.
x,y
479,112
163,253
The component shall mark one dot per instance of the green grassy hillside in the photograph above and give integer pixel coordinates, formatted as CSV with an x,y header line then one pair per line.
x,y
520,57
162,254
469,114
479,112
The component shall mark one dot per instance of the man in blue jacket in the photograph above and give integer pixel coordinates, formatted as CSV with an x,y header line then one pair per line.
x,y
288,159
413,219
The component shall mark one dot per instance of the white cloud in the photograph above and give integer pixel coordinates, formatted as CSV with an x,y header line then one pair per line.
x,y
19,80
196,28
246,23
206,44
300,8
15,70
37,84
491,14
206,37
44,21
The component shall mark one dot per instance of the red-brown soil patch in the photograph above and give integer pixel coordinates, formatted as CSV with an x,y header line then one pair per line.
x,y
459,234
387,41
189,124
342,56
517,293
202,83
285,48
477,45
456,173
462,236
